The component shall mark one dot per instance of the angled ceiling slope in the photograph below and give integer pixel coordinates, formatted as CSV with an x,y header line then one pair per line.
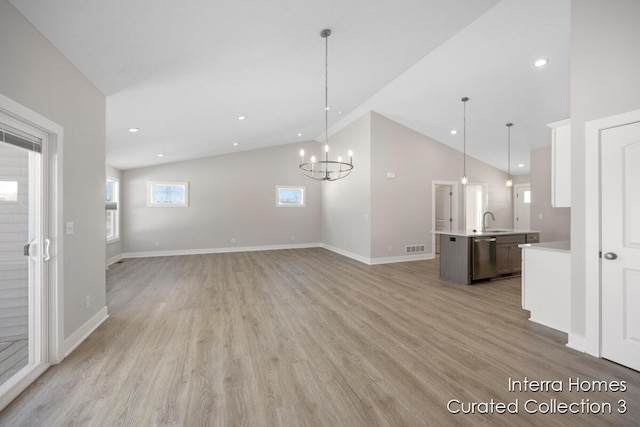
x,y
183,73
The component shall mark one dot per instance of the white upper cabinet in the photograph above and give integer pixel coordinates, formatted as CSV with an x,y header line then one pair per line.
x,y
561,164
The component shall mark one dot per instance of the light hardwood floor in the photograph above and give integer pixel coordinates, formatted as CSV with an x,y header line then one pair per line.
x,y
309,338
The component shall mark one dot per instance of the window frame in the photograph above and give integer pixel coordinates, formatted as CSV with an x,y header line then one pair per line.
x,y
302,189
115,197
153,204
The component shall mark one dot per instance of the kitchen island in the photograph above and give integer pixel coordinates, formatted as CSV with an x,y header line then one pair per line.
x,y
469,256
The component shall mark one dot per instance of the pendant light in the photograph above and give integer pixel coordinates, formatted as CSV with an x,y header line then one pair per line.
x,y
509,182
326,170
464,179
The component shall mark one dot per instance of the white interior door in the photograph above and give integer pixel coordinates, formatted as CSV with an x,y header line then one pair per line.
x,y
522,207
620,244
443,210
444,201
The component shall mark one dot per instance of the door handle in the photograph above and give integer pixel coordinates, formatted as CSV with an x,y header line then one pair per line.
x,y
610,255
31,250
47,256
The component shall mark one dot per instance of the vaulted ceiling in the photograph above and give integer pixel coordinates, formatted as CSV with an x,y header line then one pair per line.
x,y
183,72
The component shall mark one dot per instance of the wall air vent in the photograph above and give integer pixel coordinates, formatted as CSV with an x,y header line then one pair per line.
x,y
413,249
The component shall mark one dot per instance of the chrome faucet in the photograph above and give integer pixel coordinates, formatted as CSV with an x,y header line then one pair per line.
x,y
484,220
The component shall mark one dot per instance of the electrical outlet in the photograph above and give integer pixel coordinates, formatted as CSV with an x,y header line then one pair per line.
x,y
69,228
293,237
233,240
390,248
87,301
157,244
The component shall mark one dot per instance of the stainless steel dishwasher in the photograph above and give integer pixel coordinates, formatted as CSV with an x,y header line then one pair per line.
x,y
484,258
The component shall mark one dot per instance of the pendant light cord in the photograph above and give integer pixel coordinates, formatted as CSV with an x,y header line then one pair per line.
x,y
326,90
464,135
509,152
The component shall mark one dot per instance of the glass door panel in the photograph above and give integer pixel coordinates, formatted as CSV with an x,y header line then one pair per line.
x,y
20,253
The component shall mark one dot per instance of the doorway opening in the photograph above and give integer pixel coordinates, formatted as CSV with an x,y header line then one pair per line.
x,y
476,200
444,212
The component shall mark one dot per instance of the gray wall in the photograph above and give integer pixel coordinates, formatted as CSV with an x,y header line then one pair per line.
x,y
36,75
555,224
605,65
114,249
346,204
401,207
231,196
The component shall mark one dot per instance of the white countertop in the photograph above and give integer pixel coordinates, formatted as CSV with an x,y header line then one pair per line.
x,y
563,246
489,232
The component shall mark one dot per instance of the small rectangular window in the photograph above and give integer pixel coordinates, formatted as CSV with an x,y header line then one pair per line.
x,y
112,195
9,191
527,196
167,194
289,196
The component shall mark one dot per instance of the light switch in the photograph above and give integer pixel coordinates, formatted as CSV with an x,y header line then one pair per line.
x,y
69,229
391,175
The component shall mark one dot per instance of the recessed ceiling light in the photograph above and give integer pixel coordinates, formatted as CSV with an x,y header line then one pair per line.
x,y
520,165
160,155
328,107
242,117
541,62
235,144
454,132
339,112
299,134
134,130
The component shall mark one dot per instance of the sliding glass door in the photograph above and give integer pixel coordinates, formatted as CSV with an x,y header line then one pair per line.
x,y
23,252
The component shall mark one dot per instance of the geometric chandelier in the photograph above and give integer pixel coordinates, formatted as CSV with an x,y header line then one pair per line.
x,y
326,170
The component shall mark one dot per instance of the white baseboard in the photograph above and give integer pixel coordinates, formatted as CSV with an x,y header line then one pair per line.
x,y
348,254
177,252
380,260
577,342
84,331
402,258
113,260
365,260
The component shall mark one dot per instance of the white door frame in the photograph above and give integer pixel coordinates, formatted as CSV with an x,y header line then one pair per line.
x,y
593,130
52,322
454,208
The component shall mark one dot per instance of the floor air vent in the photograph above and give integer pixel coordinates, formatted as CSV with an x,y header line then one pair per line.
x,y
413,249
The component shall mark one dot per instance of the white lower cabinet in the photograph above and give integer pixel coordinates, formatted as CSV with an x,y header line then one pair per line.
x,y
546,283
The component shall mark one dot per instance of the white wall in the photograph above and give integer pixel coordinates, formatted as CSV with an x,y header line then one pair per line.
x,y
114,249
231,196
346,204
605,65
555,224
401,207
36,75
